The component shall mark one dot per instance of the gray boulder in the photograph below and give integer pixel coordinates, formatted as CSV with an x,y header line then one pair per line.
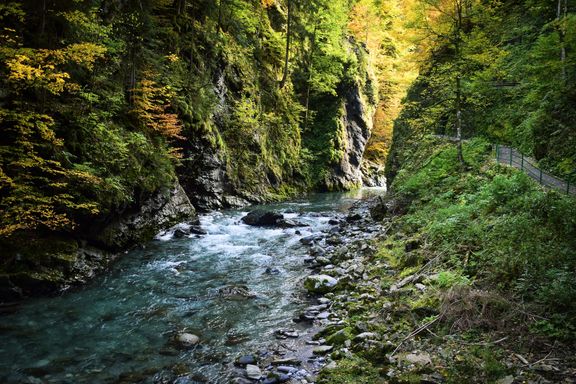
x,y
320,283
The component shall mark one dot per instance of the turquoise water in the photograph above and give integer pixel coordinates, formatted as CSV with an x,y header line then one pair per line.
x,y
119,327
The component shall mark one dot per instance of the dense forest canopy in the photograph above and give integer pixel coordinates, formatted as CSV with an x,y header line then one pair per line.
x,y
102,100
504,70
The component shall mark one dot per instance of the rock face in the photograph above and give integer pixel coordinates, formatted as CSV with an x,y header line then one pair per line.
x,y
356,122
207,166
203,176
43,265
161,210
373,175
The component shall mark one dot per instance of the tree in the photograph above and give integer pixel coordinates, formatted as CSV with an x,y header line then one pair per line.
x,y
288,38
150,107
561,14
460,51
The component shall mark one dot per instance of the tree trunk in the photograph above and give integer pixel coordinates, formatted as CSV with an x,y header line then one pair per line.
x,y
459,119
180,7
43,22
220,12
310,63
561,19
287,57
132,77
457,43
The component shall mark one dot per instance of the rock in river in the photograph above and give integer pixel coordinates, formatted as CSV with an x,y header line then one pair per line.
x,y
187,339
235,292
245,360
261,218
320,283
253,372
290,223
322,349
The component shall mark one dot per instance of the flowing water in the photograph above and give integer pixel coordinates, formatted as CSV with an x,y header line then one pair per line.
x,y
121,325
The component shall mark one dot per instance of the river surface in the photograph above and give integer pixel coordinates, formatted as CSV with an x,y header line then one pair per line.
x,y
120,326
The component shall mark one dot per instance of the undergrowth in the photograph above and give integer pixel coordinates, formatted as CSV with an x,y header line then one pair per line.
x,y
479,263
494,226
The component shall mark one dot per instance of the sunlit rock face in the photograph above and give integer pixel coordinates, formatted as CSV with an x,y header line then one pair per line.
x,y
356,125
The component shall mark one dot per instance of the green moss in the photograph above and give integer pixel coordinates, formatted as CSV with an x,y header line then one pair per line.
x,y
487,225
338,338
465,366
355,370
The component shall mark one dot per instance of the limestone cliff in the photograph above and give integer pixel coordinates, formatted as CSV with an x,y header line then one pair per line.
x,y
356,125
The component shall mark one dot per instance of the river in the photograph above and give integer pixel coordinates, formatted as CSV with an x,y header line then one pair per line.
x,y
120,327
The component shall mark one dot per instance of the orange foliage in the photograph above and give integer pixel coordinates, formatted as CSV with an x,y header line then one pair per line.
x,y
150,107
267,3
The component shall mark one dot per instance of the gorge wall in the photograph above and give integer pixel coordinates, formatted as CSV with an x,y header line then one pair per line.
x,y
124,118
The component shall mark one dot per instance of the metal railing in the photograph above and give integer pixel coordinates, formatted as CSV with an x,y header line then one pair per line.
x,y
510,156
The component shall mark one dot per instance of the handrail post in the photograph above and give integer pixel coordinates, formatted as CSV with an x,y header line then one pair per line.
x,y
497,152
540,177
522,162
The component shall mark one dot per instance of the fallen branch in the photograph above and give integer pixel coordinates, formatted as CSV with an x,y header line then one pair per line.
x,y
543,359
414,333
522,359
484,343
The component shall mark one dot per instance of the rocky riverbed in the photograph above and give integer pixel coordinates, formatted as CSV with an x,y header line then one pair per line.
x,y
211,304
337,259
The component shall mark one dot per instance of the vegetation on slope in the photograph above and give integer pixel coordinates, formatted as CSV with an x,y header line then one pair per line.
x,y
501,70
477,267
487,259
387,30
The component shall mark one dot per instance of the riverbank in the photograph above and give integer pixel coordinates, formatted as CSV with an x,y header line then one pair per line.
x,y
421,286
338,259
468,282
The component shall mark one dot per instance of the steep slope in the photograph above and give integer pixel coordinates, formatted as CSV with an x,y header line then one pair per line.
x,y
471,278
504,71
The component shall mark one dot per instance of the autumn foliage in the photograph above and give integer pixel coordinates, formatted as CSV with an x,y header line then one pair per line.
x,y
151,108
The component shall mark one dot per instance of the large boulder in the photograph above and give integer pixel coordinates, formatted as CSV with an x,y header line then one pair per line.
x,y
320,283
388,205
261,218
